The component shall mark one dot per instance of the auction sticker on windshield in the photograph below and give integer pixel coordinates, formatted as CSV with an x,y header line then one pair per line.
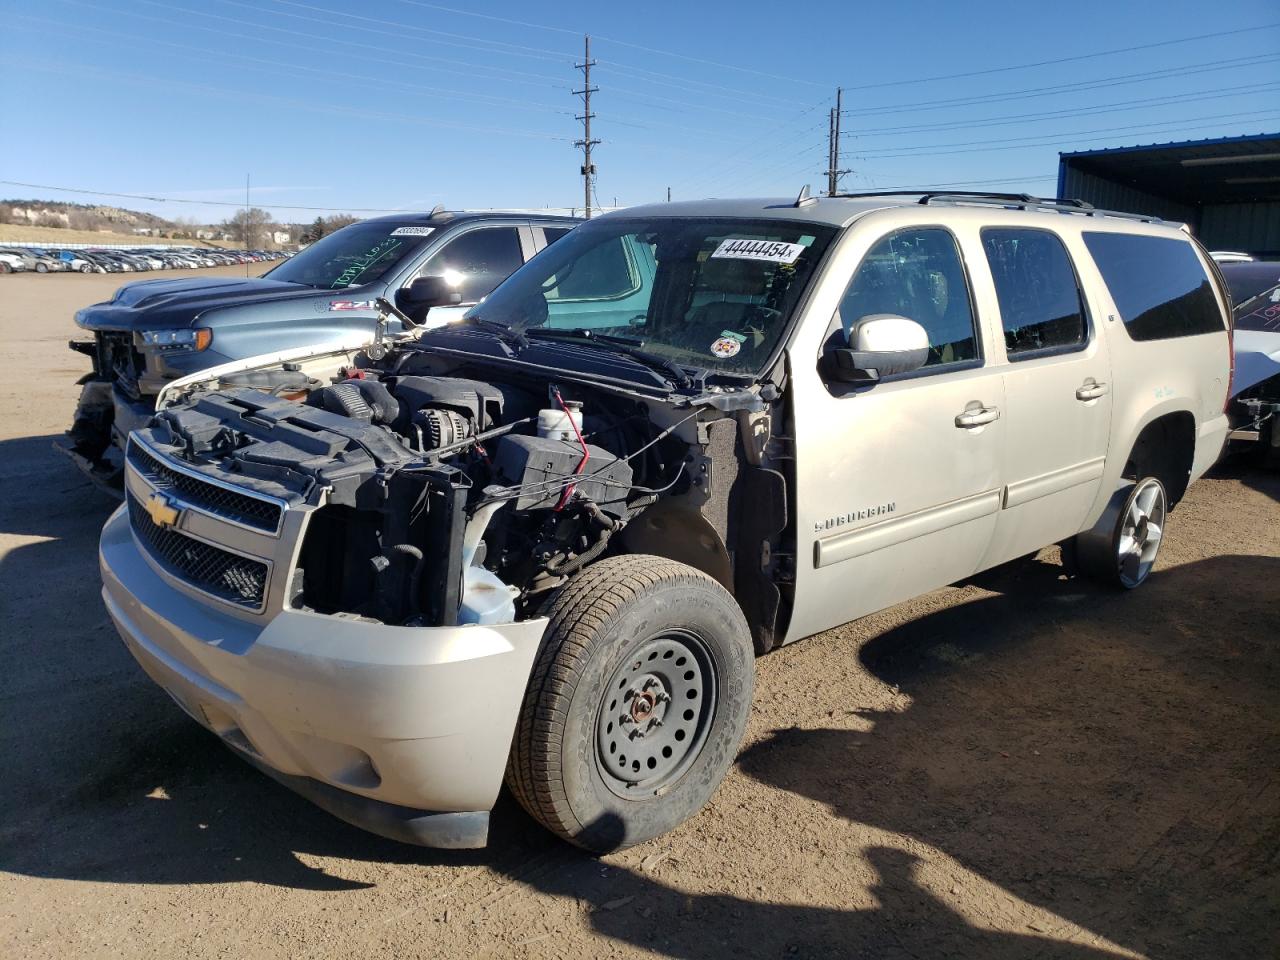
x,y
411,231
768,250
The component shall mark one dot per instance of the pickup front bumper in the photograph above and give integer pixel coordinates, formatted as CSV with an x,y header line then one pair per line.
x,y
402,731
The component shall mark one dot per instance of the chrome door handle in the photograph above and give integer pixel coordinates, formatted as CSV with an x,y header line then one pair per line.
x,y
1090,390
977,417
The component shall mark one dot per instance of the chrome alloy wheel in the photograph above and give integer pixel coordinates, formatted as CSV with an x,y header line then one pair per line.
x,y
1140,533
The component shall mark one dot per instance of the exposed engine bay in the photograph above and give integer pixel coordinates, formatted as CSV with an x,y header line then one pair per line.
x,y
442,491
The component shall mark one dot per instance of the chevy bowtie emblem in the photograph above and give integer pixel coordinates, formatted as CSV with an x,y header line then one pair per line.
x,y
162,512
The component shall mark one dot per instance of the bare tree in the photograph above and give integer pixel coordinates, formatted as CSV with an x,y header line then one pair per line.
x,y
249,227
338,221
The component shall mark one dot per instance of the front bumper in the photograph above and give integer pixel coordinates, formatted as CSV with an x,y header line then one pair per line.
x,y
402,731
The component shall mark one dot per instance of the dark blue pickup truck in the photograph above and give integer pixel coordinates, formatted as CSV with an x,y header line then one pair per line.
x,y
155,331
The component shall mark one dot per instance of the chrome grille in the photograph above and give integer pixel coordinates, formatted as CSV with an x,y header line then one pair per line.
x,y
205,495
227,576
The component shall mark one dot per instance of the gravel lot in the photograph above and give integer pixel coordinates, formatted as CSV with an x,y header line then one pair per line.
x,y
1021,766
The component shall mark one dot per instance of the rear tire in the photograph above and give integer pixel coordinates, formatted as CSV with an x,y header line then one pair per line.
x,y
42,268
5,268
636,704
1121,549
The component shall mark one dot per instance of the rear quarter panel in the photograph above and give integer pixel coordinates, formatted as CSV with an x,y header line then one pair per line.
x,y
1152,378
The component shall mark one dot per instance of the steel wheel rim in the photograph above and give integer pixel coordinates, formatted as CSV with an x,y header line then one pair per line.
x,y
1141,531
656,714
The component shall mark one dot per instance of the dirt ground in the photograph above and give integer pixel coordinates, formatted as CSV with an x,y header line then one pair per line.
x,y
1022,766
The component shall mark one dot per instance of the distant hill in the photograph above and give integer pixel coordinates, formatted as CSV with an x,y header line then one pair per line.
x,y
43,219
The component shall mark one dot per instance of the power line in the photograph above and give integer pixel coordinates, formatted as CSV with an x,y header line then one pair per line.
x,y
1049,141
1037,92
600,39
1052,137
903,81
553,54
683,83
1123,105
215,203
359,112
381,50
484,98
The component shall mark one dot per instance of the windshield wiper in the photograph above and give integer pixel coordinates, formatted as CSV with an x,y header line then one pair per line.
x,y
627,346
513,338
583,333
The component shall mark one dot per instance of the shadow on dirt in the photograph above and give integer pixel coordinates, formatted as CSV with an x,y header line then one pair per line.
x,y
1245,467
1093,754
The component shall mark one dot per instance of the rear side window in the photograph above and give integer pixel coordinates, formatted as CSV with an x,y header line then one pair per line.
x,y
1157,283
1040,303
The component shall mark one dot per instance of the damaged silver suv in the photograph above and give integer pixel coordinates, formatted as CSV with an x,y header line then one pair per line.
x,y
545,544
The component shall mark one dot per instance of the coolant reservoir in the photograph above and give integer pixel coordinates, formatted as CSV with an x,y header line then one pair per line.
x,y
556,425
485,598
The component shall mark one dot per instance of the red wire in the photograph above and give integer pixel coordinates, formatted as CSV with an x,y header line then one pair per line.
x,y
586,453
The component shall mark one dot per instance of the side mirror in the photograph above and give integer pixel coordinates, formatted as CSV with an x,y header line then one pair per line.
x,y
880,345
428,292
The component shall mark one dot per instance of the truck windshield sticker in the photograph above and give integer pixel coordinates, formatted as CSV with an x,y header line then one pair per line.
x,y
726,347
767,250
411,231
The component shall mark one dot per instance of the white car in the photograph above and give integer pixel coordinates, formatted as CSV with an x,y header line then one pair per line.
x,y
546,542
9,263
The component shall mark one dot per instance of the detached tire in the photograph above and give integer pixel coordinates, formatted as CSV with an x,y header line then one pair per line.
x,y
636,705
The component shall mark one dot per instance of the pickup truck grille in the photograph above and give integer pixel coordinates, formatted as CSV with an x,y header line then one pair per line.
x,y
227,576
249,511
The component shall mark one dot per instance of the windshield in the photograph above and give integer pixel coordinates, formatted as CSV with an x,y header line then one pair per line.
x,y
352,256
707,293
1261,312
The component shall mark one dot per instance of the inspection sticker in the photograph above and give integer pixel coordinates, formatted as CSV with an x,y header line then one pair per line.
x,y
411,231
769,250
350,305
727,345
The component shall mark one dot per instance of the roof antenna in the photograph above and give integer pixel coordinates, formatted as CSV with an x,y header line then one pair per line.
x,y
436,210
804,199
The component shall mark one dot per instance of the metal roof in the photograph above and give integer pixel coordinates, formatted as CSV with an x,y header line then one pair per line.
x,y
1193,172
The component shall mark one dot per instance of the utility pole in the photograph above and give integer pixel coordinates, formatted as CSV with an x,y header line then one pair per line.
x,y
831,153
834,173
245,231
668,194
586,143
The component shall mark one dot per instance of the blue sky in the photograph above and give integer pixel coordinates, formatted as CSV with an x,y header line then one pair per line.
x,y
395,104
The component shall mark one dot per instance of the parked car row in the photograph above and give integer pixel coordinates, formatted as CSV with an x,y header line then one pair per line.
x,y
52,260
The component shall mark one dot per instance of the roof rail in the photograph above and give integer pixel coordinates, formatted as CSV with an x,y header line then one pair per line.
x,y
1020,201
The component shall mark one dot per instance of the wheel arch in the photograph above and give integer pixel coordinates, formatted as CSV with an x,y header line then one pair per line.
x,y
1164,448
